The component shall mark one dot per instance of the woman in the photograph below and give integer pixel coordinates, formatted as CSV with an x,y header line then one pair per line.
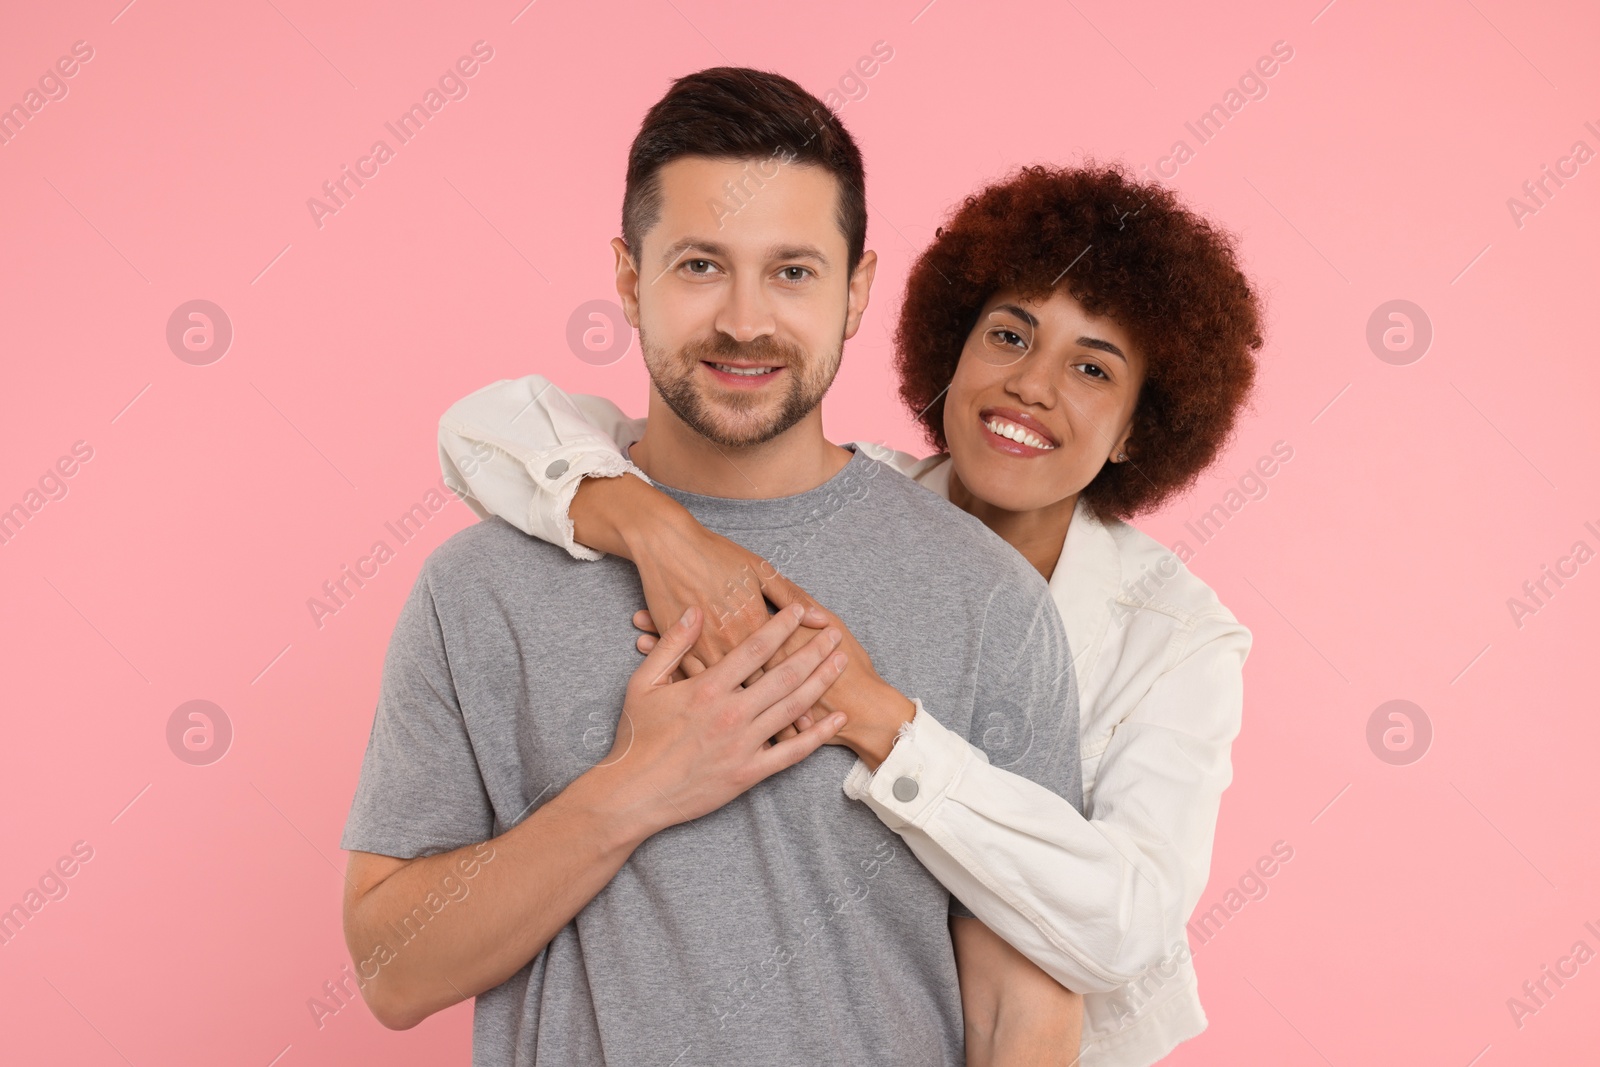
x,y
1077,346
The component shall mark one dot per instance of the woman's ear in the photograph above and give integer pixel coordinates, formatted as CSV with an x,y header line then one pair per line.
x,y
1119,453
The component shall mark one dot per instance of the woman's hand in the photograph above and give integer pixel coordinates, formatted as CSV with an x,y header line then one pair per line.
x,y
682,564
874,709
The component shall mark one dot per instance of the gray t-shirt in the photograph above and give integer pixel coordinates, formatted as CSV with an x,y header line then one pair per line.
x,y
789,926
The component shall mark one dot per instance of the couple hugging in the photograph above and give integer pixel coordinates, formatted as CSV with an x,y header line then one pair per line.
x,y
918,766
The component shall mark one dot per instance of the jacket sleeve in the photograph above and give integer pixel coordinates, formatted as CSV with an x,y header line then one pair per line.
x,y
519,449
1095,900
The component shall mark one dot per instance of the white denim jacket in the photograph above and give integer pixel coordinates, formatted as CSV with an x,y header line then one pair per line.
x,y
1098,901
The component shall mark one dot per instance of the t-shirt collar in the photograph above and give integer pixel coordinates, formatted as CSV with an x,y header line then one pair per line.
x,y
735,513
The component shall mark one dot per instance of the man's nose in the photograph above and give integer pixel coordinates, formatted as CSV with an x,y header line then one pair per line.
x,y
746,315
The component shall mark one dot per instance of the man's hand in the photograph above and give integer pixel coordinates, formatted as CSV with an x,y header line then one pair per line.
x,y
682,749
874,710
685,748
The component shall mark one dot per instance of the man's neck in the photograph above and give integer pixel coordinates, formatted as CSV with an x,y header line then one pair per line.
x,y
797,460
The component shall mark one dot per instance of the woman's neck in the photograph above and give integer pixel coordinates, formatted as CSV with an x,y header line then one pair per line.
x,y
1038,534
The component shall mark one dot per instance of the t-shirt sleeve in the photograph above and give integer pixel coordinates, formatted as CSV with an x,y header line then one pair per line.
x,y
1025,716
421,791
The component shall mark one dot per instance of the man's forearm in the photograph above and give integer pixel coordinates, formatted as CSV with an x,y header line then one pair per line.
x,y
1015,1015
541,874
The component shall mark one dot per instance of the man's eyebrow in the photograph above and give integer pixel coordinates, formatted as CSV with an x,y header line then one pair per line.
x,y
695,244
1084,342
798,252
711,248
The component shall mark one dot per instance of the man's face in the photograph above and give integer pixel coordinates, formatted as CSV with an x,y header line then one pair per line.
x,y
742,296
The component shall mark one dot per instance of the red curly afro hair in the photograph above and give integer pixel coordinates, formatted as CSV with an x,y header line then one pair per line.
x,y
1124,249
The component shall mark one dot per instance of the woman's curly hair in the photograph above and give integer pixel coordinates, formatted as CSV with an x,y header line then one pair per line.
x,y
1124,249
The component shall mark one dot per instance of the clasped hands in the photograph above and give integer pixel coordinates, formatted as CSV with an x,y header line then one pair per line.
x,y
685,565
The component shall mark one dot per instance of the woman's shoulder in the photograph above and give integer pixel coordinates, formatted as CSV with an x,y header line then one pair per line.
x,y
904,462
1155,579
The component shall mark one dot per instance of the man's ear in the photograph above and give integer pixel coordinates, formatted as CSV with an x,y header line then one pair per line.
x,y
627,281
860,291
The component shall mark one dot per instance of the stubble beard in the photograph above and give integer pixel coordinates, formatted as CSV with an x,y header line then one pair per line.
x,y
734,420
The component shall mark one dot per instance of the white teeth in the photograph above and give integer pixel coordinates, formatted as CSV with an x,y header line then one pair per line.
x,y
1013,432
746,371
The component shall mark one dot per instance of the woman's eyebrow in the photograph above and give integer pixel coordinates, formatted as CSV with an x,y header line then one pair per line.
x,y
1019,313
1103,346
1083,342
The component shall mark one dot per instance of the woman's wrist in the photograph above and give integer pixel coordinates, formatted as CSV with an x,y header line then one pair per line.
x,y
615,515
876,712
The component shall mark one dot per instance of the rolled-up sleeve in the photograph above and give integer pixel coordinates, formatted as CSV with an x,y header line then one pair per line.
x,y
1092,901
519,448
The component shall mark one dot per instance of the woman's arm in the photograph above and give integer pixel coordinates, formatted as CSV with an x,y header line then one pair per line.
x,y
521,448
1093,901
525,450
551,465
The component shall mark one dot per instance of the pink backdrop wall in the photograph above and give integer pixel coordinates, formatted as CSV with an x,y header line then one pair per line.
x,y
175,562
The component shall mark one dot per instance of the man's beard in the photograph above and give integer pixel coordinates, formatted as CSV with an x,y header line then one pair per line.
x,y
673,376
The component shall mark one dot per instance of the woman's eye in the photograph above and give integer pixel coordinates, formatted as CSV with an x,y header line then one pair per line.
x,y
1010,337
1094,370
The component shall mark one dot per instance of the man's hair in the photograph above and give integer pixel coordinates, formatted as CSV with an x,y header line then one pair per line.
x,y
739,113
1125,249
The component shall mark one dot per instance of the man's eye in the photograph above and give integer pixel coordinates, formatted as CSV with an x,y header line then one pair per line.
x,y
794,274
699,266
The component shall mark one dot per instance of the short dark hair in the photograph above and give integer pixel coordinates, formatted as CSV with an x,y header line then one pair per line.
x,y
1126,249
739,113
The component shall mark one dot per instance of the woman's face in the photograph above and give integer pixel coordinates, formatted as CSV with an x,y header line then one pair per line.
x,y
1042,397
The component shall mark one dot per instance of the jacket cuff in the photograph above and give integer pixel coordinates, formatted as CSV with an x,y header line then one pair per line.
x,y
558,472
924,764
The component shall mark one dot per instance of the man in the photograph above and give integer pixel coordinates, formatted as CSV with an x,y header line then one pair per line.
x,y
671,888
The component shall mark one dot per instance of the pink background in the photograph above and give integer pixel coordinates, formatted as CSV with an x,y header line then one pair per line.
x,y
219,498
